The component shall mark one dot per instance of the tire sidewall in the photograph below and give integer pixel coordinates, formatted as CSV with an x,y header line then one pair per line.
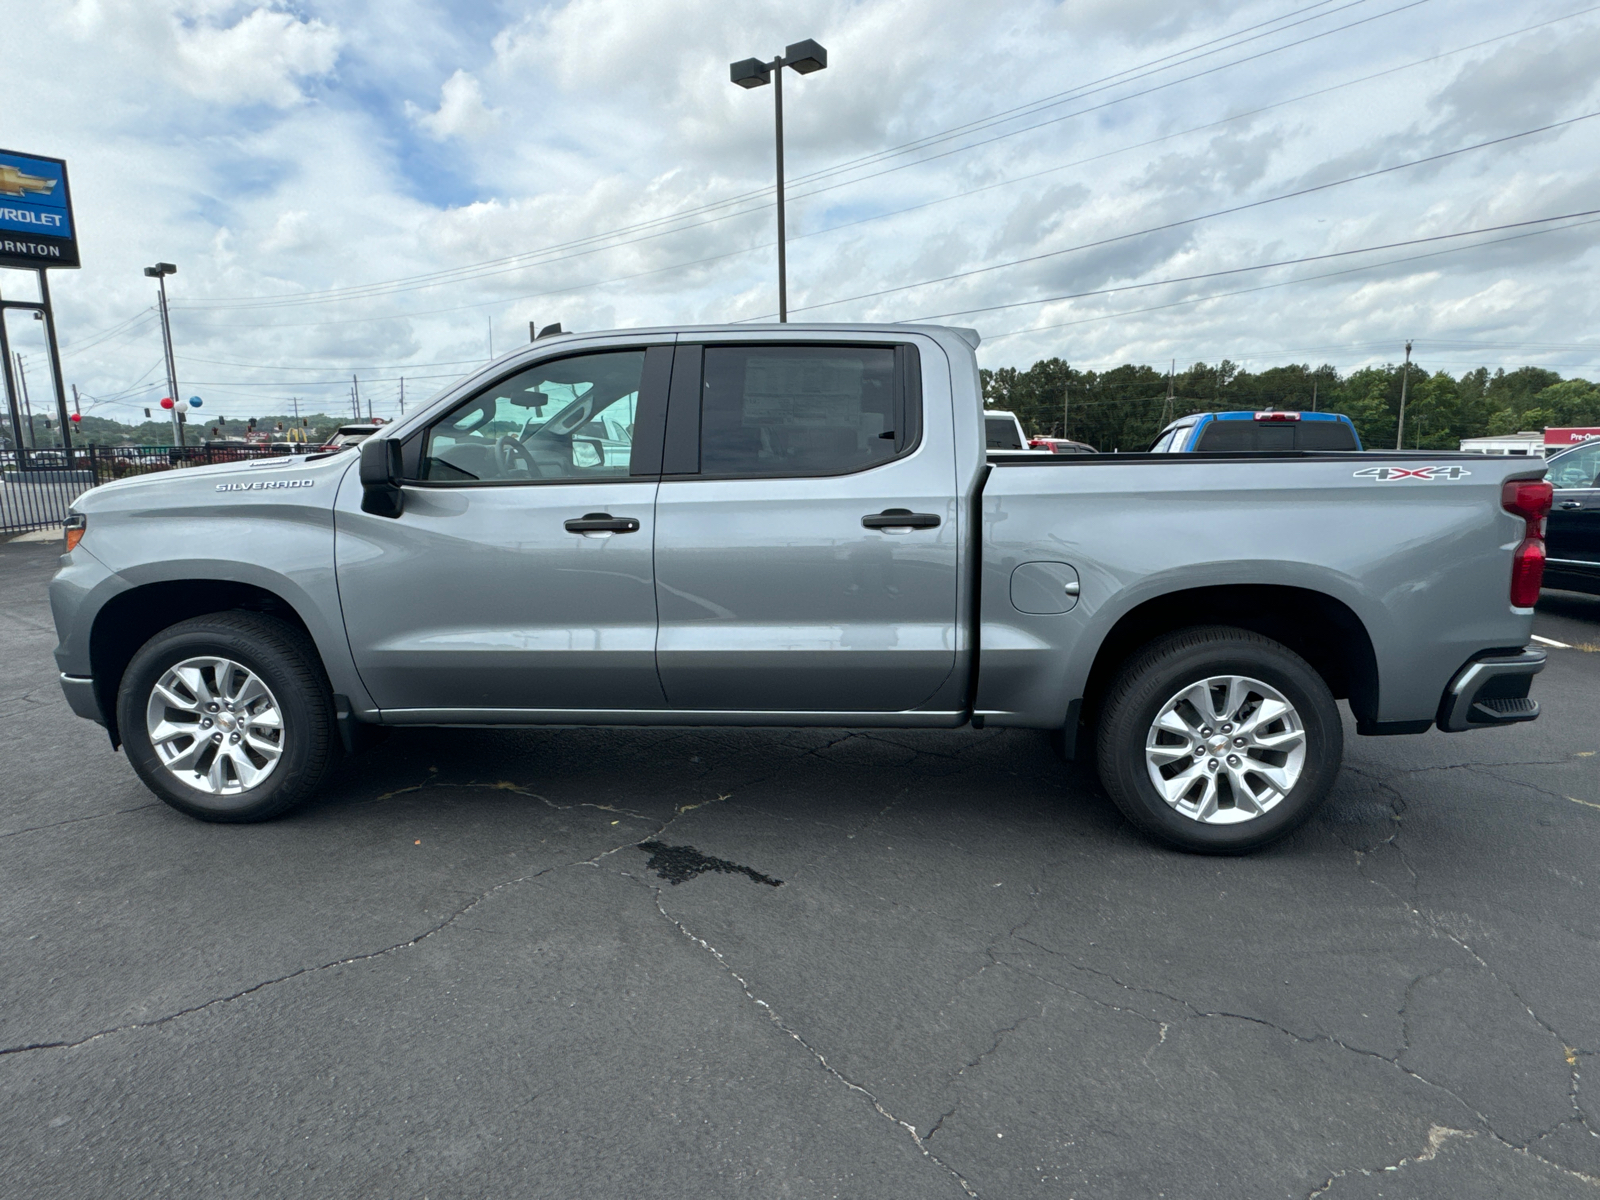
x,y
198,638
1159,681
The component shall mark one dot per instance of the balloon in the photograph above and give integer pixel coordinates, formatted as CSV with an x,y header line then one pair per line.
x,y
194,401
166,402
77,416
182,406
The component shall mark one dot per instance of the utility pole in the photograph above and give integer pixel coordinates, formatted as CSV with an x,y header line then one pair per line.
x,y
27,408
1313,393
1066,406
355,395
1166,413
159,272
1400,430
402,395
489,324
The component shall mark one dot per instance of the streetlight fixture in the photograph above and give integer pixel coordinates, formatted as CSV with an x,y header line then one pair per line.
x,y
160,272
805,57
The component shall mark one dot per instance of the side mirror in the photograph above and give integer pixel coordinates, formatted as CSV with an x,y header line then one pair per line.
x,y
381,471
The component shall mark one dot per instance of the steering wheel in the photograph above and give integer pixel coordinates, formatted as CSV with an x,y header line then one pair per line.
x,y
507,450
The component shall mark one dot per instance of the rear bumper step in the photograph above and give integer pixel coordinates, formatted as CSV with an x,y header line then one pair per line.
x,y
1491,690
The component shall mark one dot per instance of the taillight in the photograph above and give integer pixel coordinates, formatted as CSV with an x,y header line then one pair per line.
x,y
1277,416
75,525
1529,499
1527,573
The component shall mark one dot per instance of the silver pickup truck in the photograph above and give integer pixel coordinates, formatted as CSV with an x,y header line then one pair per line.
x,y
797,525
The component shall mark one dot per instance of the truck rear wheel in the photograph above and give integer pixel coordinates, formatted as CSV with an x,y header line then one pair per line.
x,y
1218,740
228,717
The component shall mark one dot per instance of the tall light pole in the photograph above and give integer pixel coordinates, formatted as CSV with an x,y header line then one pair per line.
x,y
159,272
805,57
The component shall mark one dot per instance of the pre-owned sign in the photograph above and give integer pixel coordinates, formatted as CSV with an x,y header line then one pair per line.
x,y
36,228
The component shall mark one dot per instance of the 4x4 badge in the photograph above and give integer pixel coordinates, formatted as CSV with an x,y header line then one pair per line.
x,y
1389,474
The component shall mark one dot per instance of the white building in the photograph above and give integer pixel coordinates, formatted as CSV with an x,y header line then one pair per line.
x,y
1523,442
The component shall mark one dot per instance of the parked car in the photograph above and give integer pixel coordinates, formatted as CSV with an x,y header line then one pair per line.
x,y
1572,536
1002,430
805,530
1057,445
350,435
1236,432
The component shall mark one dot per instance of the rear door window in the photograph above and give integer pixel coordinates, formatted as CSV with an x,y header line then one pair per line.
x,y
800,410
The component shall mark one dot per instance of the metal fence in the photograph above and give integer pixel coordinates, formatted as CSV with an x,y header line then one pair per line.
x,y
38,486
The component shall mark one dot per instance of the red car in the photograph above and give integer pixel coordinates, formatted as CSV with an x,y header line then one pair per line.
x,y
1060,446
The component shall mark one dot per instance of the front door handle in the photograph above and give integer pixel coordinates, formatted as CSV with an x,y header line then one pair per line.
x,y
592,523
1570,504
900,518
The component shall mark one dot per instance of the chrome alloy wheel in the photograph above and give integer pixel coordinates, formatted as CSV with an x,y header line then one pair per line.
x,y
1225,749
215,725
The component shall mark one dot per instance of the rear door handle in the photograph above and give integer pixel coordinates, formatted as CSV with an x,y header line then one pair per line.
x,y
900,518
1570,504
602,523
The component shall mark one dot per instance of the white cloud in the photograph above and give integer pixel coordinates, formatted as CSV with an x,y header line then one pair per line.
x,y
259,59
271,150
461,112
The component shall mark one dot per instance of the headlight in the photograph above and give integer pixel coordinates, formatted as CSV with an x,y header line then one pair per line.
x,y
75,525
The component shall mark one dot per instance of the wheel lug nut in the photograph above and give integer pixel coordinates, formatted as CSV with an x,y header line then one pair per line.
x,y
233,737
1212,765
211,707
1227,729
216,737
1239,742
206,724
1233,760
1205,731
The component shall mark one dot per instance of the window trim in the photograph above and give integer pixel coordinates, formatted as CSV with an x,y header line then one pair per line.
x,y
683,445
653,379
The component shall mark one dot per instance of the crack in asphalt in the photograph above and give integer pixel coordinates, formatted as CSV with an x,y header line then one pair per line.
x,y
79,820
317,968
822,1060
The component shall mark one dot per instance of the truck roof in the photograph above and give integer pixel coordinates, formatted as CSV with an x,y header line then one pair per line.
x,y
969,336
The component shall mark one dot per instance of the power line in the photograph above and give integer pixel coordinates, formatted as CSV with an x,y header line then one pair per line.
x,y
1306,191
994,337
474,271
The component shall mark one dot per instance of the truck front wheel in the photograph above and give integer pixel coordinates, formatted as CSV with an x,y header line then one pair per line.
x,y
228,716
1218,740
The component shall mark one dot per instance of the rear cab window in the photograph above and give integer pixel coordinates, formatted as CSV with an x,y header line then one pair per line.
x,y
1245,436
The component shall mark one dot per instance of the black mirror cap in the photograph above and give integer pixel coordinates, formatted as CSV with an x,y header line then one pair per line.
x,y
750,72
381,463
805,57
381,470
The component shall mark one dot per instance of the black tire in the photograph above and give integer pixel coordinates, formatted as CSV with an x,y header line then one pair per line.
x,y
286,661
1161,670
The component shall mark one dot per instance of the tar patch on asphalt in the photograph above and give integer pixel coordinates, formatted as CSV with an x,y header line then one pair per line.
x,y
679,864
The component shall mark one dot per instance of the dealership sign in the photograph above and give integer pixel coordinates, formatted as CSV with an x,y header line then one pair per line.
x,y
36,228
1554,439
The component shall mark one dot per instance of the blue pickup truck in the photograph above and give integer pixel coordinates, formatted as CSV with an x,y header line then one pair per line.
x,y
1242,432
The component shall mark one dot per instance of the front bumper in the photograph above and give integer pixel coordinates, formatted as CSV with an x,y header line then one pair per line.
x,y
81,698
1491,690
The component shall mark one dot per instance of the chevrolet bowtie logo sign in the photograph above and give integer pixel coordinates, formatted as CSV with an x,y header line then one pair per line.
x,y
15,183
36,229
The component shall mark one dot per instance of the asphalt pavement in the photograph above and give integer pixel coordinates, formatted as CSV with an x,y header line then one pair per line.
x,y
623,963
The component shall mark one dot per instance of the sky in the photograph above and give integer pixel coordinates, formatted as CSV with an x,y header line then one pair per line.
x,y
392,189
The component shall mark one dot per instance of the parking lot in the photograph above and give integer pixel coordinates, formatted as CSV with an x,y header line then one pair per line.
x,y
621,963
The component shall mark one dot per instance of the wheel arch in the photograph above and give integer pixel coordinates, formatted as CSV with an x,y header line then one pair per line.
x,y
1321,629
132,617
